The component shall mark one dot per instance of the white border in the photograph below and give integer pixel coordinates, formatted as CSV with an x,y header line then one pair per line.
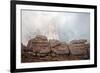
x,y
20,65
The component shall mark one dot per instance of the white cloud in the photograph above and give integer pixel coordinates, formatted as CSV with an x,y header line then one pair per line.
x,y
68,25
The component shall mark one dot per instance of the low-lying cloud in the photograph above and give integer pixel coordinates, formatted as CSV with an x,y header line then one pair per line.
x,y
68,25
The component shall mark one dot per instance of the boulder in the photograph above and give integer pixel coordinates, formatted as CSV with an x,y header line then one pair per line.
x,y
39,44
60,49
78,41
78,48
24,48
53,43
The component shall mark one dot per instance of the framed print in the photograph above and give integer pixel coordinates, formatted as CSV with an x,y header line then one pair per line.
x,y
52,36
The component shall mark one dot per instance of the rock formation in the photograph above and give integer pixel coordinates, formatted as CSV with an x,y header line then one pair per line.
x,y
79,48
58,47
41,49
39,45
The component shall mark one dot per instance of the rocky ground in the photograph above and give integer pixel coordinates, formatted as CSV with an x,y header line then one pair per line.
x,y
40,49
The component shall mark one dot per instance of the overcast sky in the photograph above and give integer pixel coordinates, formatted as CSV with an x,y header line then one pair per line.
x,y
68,25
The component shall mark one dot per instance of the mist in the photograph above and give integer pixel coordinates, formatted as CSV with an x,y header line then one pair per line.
x,y
68,25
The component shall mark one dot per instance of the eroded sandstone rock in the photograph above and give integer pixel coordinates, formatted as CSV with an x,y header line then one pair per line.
x,y
59,48
78,47
78,41
39,44
41,49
